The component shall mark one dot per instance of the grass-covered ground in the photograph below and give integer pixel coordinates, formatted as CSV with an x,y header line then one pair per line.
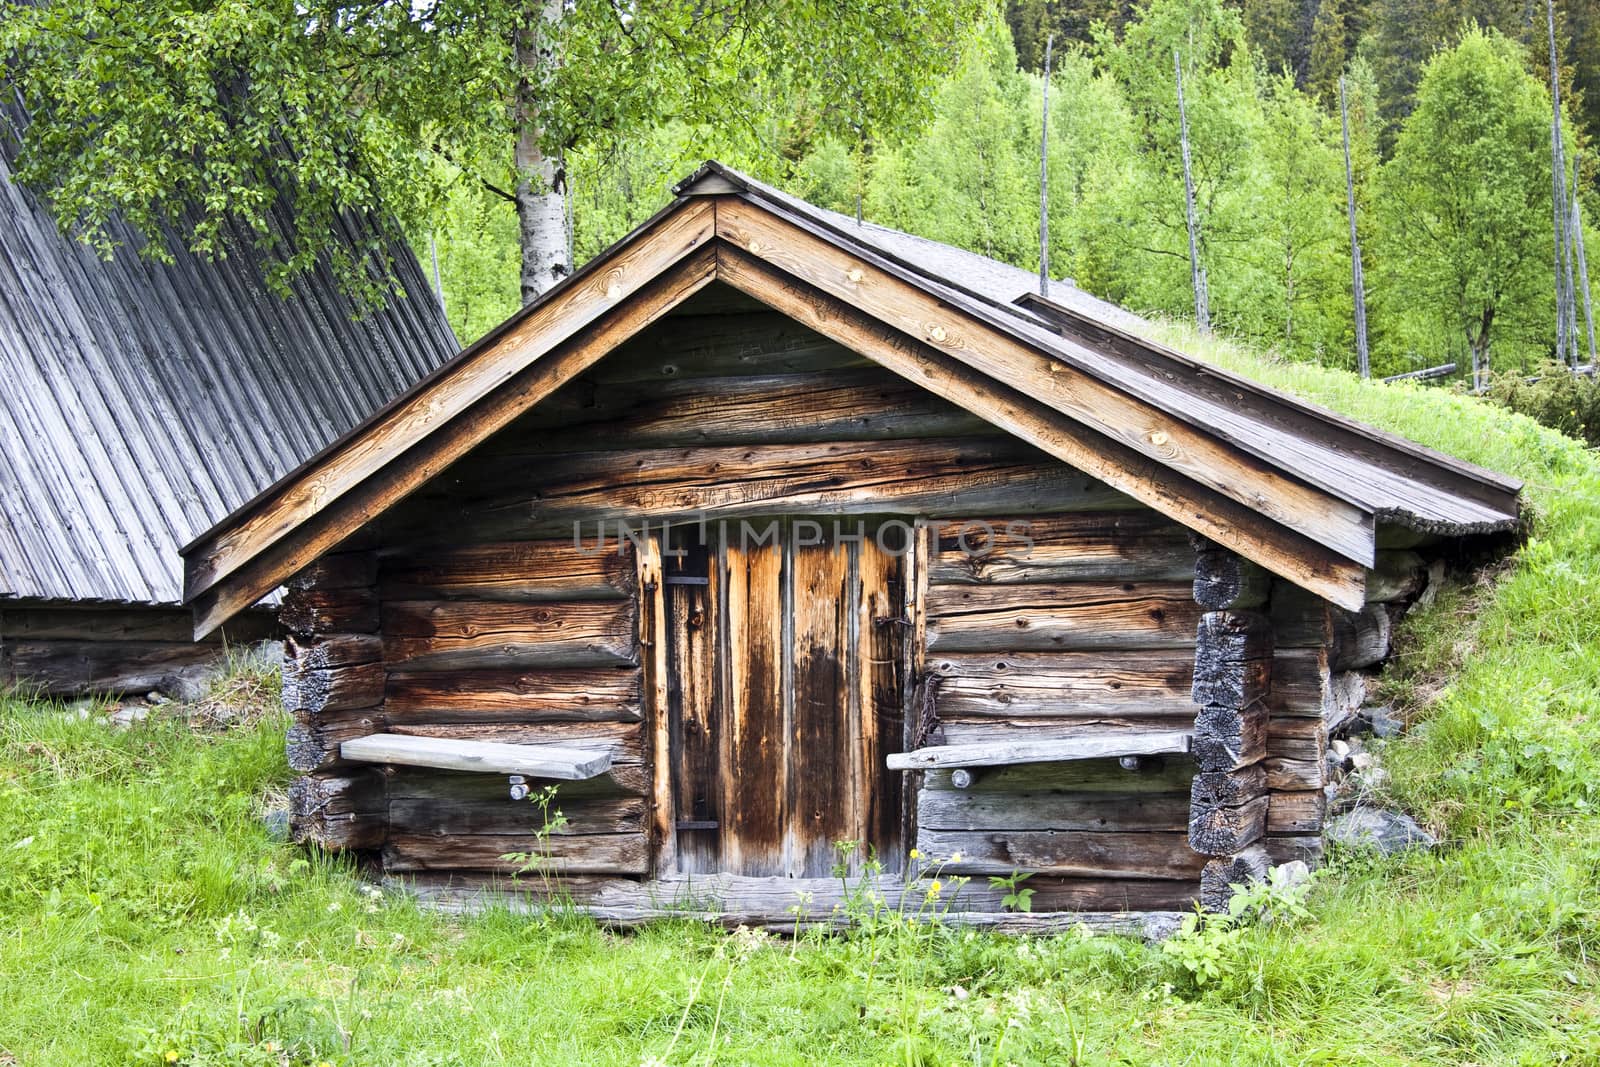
x,y
147,916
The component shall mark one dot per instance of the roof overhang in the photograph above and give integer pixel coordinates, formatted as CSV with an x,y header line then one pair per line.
x,y
1078,395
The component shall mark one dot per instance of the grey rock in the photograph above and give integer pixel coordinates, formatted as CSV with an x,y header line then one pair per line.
x,y
1295,872
1374,828
1382,721
276,820
126,715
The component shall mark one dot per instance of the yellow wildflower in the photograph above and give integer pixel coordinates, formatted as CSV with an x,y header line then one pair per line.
x,y
934,888
916,854
172,1056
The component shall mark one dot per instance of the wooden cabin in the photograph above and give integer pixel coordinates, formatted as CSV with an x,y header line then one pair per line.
x,y
140,403
768,531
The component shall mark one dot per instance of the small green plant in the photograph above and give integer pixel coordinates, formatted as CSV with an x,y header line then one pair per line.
x,y
1204,944
539,860
1016,898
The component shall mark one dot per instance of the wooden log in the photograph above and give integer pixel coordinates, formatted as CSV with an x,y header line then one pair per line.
x,y
1297,813
555,569
317,690
319,611
849,404
939,809
623,740
313,745
1222,876
1152,854
1137,545
946,477
342,810
459,634
1059,684
72,667
1226,581
1211,789
1293,774
456,754
1283,849
718,346
1076,778
603,694
427,785
1008,731
331,650
564,854
1228,738
1396,575
1303,686
1222,831
123,625
459,816
1352,639
1082,615
338,570
1297,739
999,753
1232,659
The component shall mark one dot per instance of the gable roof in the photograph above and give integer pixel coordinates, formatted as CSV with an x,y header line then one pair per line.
x,y
1293,487
143,401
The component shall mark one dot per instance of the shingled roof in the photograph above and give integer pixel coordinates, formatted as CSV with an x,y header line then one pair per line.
x,y
144,401
1298,489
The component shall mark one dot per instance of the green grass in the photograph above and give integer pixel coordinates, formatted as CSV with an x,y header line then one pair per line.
x,y
145,912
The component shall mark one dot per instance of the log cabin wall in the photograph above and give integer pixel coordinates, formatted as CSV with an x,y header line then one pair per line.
x,y
492,624
1052,627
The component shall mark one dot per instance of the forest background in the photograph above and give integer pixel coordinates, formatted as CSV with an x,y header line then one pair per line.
x,y
1450,118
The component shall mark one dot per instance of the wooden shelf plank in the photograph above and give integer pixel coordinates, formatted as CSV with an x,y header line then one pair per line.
x,y
496,757
1003,753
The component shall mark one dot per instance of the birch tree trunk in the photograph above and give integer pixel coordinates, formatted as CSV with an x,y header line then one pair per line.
x,y
541,177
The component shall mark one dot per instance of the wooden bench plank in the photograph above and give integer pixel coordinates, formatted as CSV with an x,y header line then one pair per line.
x,y
1004,753
453,754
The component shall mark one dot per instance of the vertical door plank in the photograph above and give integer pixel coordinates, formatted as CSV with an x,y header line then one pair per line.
x,y
824,754
691,610
654,658
753,772
882,627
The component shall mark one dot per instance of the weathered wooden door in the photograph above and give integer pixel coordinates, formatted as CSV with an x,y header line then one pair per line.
x,y
783,694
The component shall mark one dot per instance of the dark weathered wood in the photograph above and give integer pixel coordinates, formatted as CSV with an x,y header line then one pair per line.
x,y
625,853
1042,728
317,690
1084,615
64,667
502,497
458,634
1297,813
553,569
459,754
593,694
1222,831
120,625
331,650
1304,687
338,570
458,787
339,810
1229,738
760,342
1225,581
655,680
1397,575
1062,684
319,611
940,809
1212,789
1093,546
1171,775
447,816
1292,774
1102,744
1283,849
624,741
1353,639
1155,854
700,791
1297,739
313,744
1221,875
868,403
1233,659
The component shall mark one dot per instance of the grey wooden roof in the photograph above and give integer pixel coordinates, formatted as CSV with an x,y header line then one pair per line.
x,y
141,402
